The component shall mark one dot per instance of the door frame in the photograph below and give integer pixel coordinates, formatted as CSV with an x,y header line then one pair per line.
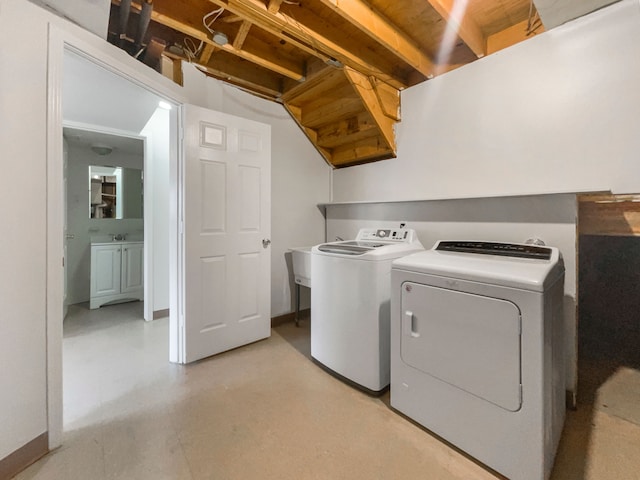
x,y
114,60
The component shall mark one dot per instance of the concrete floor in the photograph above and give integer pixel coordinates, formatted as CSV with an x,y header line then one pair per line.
x,y
265,411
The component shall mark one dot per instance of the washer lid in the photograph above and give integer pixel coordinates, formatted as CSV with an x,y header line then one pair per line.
x,y
507,264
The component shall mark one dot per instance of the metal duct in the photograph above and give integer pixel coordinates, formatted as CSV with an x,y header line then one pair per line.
x,y
125,8
145,18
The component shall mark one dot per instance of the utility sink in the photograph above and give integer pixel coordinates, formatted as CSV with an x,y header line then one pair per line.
x,y
301,257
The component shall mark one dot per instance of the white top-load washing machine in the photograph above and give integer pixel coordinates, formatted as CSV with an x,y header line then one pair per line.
x,y
350,304
477,350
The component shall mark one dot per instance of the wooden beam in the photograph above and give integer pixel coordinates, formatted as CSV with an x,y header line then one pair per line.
x,y
312,87
260,53
347,130
205,56
304,37
366,91
367,150
388,97
380,29
331,112
239,72
510,36
464,25
274,5
241,81
241,36
177,72
278,65
615,215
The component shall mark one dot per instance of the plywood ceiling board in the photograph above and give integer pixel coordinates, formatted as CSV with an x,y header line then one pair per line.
x,y
231,66
347,130
367,150
344,92
416,18
314,86
330,25
331,112
496,15
306,37
381,30
189,12
291,67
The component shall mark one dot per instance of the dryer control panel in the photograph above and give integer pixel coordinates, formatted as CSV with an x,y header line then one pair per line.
x,y
495,248
386,234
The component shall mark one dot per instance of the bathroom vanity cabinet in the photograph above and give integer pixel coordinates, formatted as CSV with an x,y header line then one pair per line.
x,y
116,272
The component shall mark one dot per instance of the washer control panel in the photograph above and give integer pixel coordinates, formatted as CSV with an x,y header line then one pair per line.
x,y
387,234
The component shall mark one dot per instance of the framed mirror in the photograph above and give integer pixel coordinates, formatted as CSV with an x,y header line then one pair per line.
x,y
115,192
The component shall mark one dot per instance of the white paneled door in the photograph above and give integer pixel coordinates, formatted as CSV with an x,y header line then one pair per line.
x,y
226,204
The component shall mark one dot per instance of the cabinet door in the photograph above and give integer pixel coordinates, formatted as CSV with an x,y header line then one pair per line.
x,y
105,270
132,267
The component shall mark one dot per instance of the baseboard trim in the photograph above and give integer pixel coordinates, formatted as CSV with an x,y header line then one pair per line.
x,y
17,461
160,313
288,317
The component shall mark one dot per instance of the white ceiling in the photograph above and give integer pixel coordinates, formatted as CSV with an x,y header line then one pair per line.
x,y
556,12
86,138
92,95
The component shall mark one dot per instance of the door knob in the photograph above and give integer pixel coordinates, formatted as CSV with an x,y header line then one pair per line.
x,y
265,242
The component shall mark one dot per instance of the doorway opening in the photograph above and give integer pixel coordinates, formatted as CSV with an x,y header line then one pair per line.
x,y
104,218
117,152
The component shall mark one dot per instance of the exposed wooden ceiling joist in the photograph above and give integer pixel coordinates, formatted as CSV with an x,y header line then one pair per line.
x,y
361,15
274,5
337,65
371,101
241,36
304,37
454,13
262,58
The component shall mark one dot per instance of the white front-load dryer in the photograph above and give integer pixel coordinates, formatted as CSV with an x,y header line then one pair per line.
x,y
350,304
477,350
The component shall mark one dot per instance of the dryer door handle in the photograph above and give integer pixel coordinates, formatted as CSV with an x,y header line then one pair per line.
x,y
409,324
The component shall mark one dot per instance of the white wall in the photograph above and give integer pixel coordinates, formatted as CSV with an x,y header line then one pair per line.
x,y
23,103
90,14
556,113
300,178
85,229
156,176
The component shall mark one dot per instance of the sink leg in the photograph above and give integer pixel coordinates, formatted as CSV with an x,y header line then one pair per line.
x,y
297,317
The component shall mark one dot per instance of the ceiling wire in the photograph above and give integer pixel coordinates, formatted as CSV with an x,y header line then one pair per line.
x,y
215,14
190,48
189,45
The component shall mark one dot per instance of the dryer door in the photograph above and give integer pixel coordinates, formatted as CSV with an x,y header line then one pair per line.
x,y
469,341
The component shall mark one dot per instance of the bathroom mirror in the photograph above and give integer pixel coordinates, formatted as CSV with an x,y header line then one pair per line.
x,y
115,192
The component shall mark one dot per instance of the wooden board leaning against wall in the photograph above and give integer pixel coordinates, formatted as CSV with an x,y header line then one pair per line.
x,y
604,215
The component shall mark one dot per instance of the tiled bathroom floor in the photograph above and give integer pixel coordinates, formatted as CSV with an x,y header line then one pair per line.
x,y
265,411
